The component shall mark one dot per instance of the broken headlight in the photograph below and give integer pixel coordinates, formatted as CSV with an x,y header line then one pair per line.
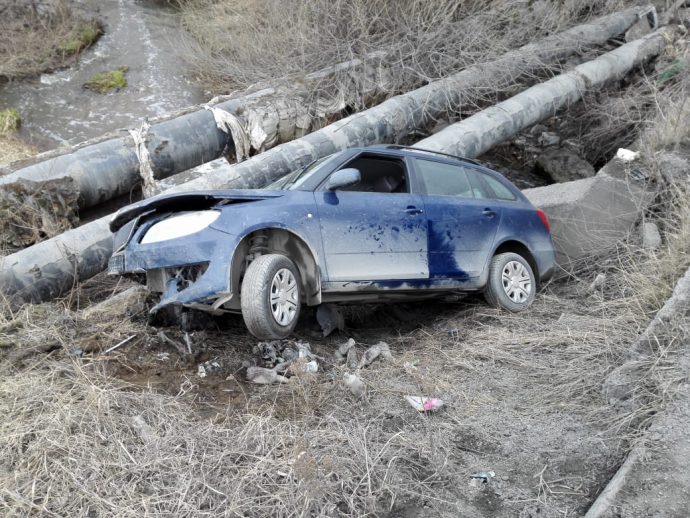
x,y
179,226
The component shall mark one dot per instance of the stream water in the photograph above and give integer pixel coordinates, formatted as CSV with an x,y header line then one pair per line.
x,y
142,35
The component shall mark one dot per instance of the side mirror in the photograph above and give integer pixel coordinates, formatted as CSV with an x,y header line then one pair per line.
x,y
343,178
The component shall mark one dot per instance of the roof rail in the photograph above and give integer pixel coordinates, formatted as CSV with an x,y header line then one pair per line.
x,y
411,148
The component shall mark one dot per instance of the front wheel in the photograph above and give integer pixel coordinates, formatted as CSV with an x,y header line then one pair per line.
x,y
271,297
512,284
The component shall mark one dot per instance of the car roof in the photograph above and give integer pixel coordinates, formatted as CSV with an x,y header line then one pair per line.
x,y
397,149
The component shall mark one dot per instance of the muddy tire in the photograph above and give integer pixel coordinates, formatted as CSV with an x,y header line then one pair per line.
x,y
512,284
271,297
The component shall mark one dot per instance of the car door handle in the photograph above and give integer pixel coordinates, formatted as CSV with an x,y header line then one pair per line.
x,y
488,213
411,209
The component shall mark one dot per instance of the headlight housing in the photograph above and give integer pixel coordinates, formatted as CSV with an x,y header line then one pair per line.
x,y
179,226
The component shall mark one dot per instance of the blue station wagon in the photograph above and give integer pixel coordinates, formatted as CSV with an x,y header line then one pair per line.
x,y
365,224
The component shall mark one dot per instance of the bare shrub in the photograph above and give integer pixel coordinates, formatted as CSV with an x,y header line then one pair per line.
x,y
236,44
31,43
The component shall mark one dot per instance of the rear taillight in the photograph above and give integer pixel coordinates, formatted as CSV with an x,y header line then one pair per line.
x,y
544,219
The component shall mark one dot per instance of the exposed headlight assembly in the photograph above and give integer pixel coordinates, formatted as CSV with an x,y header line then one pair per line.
x,y
179,226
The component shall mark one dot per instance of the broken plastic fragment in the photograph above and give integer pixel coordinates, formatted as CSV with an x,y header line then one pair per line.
x,y
380,349
343,350
312,366
424,404
483,476
626,155
264,376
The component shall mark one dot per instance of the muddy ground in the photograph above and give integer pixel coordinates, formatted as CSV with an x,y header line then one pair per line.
x,y
521,394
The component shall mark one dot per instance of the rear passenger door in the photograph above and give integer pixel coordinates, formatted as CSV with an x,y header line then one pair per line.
x,y
462,224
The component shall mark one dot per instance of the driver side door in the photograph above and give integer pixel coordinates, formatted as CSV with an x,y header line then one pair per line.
x,y
375,230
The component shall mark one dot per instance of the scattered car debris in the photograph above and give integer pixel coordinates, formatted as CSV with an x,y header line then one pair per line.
x,y
209,367
330,318
279,359
299,366
380,349
276,352
482,477
424,404
355,384
626,155
342,353
263,376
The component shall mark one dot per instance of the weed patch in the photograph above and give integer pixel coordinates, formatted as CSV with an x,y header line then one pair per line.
x,y
105,82
10,120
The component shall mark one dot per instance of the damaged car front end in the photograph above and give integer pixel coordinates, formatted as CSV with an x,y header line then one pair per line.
x,y
183,253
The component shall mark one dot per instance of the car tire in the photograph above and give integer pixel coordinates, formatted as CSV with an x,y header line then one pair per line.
x,y
512,284
271,297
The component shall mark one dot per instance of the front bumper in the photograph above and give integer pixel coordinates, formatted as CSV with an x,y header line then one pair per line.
x,y
210,247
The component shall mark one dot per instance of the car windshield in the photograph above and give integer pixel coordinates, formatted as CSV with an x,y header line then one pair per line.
x,y
293,181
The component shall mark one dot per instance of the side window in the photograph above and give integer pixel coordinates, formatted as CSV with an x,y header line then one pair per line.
x,y
501,192
480,187
379,174
443,179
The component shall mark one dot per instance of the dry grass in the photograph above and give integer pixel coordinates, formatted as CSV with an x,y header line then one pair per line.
x,y
13,149
237,44
75,441
31,44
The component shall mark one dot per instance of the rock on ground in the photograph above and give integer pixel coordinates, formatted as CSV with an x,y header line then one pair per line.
x,y
563,165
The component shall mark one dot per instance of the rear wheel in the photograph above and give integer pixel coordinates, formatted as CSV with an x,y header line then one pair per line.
x,y
512,284
271,297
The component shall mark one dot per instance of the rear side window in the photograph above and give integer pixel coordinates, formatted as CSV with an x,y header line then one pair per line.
x,y
486,187
501,191
441,179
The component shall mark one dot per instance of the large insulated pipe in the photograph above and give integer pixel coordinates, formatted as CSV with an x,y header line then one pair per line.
x,y
477,134
45,270
109,169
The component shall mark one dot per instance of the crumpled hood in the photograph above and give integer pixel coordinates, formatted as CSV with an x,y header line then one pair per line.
x,y
183,201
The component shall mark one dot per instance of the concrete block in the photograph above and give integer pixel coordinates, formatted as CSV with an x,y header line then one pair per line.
x,y
589,216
